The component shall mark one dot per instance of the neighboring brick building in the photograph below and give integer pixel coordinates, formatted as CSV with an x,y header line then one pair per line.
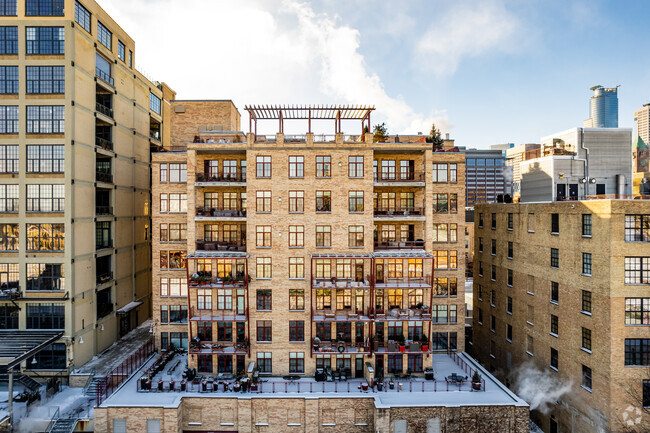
x,y
564,286
300,223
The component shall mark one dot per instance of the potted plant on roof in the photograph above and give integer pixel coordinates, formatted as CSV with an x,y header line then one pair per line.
x,y
476,381
401,341
424,343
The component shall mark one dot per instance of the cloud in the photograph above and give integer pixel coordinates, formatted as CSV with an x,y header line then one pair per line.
x,y
280,52
466,29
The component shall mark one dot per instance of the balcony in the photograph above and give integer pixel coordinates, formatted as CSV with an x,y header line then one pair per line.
x,y
103,210
103,109
408,179
102,176
383,347
218,347
206,280
404,282
214,315
104,277
105,244
104,143
340,283
214,179
421,312
219,246
104,77
346,315
400,245
215,214
398,212
339,347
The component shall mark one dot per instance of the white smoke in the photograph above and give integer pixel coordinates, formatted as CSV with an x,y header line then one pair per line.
x,y
539,388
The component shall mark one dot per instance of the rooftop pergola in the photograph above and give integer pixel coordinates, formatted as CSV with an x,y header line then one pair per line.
x,y
309,113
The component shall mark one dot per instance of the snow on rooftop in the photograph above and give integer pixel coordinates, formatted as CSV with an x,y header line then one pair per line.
x,y
414,392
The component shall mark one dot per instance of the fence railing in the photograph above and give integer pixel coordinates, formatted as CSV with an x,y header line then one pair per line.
x,y
104,143
120,373
466,367
409,176
104,210
221,177
399,211
104,77
104,109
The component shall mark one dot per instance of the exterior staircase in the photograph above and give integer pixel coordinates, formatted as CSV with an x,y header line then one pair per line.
x,y
92,388
62,425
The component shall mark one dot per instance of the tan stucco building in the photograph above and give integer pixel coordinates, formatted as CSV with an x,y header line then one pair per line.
x,y
77,124
563,289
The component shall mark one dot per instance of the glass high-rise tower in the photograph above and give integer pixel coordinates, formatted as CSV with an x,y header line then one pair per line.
x,y
604,107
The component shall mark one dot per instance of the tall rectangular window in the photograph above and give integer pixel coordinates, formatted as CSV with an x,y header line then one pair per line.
x,y
9,159
637,228
82,16
296,362
45,119
45,198
440,174
586,263
586,301
264,363
45,159
104,36
45,40
555,292
45,80
297,166
637,311
555,258
296,201
8,198
323,236
9,40
355,236
8,119
8,8
263,236
555,223
323,166
263,166
45,276
554,325
586,339
296,330
637,270
323,201
154,103
264,330
8,80
510,221
45,237
263,201
586,224
8,238
263,267
355,166
355,199
121,52
637,351
296,236
8,316
296,299
296,267
555,362
42,8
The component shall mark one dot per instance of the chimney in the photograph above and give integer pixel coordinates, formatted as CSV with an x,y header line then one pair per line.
x,y
446,136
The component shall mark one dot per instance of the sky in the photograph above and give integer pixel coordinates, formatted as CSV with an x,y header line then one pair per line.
x,y
486,72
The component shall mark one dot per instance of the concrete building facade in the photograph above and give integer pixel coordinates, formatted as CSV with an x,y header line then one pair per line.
x,y
77,124
560,291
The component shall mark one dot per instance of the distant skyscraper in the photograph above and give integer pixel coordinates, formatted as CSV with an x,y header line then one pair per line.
x,y
642,122
603,108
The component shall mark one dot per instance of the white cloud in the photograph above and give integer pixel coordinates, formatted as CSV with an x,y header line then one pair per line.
x,y
261,52
466,29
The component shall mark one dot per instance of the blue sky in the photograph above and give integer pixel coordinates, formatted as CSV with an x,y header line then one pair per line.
x,y
487,72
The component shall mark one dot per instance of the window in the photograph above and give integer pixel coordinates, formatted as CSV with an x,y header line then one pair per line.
x,y
53,357
494,247
263,202
637,270
555,223
586,224
263,166
296,299
177,173
586,339
296,267
440,203
8,40
355,199
82,16
130,59
509,305
154,103
480,316
510,221
8,119
480,245
45,119
8,8
296,362
173,203
323,201
172,259
510,250
264,330
355,166
263,238
9,159
440,174
554,325
45,237
173,287
494,221
529,345
263,267
45,159
122,55
493,298
355,236
297,166
493,323
45,40
173,232
586,264
586,302
264,362
44,8
104,36
646,393
323,166
637,311
510,277
530,316
224,299
555,258
9,80
555,292
296,236
637,351
493,273
586,377
296,330
637,228
45,198
9,275
509,333
323,236
9,237
453,173
296,201
45,79
45,316
554,359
